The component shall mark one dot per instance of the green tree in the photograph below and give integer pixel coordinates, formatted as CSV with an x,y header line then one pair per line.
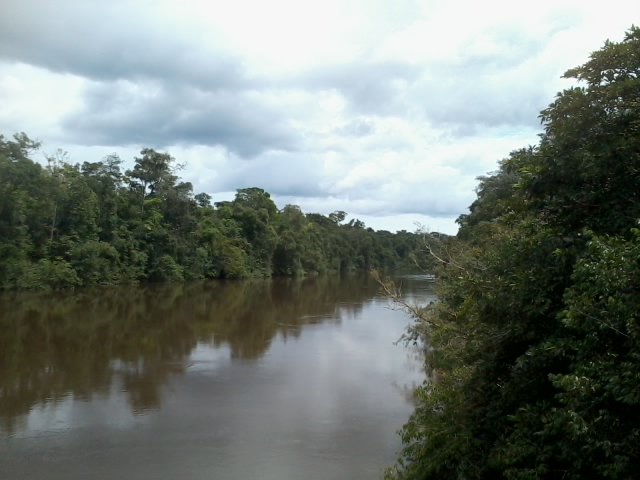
x,y
151,172
254,211
66,225
534,352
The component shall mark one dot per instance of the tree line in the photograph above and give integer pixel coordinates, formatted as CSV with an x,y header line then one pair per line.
x,y
65,225
534,344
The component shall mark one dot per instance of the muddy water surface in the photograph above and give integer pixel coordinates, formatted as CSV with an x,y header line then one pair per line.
x,y
277,379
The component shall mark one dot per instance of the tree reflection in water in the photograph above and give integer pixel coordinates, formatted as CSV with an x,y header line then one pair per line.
x,y
84,343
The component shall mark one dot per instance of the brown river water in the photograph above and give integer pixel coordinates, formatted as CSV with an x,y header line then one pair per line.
x,y
281,379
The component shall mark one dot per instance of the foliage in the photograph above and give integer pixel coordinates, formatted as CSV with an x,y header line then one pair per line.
x,y
534,344
64,225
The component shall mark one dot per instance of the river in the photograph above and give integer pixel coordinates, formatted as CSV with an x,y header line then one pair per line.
x,y
272,379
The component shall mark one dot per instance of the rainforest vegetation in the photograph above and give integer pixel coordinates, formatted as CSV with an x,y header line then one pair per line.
x,y
534,345
66,225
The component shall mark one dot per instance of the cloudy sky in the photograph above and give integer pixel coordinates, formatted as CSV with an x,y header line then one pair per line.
x,y
386,109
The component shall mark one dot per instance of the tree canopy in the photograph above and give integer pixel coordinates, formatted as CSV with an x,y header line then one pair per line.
x,y
534,345
66,225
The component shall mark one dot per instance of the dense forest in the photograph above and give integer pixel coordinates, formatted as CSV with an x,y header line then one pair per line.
x,y
534,355
65,225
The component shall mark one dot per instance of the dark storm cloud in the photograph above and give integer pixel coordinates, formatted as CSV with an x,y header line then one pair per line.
x,y
158,115
370,87
106,41
150,86
489,103
153,85
493,84
206,97
279,173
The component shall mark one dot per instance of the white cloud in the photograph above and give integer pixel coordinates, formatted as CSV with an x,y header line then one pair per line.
x,y
387,110
34,100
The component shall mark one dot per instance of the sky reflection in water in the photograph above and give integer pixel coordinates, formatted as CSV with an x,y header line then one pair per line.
x,y
279,379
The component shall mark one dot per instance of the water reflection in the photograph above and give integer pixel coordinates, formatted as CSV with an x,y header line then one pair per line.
x,y
279,379
58,344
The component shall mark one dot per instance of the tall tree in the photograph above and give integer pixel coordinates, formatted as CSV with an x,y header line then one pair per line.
x,y
152,171
535,342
